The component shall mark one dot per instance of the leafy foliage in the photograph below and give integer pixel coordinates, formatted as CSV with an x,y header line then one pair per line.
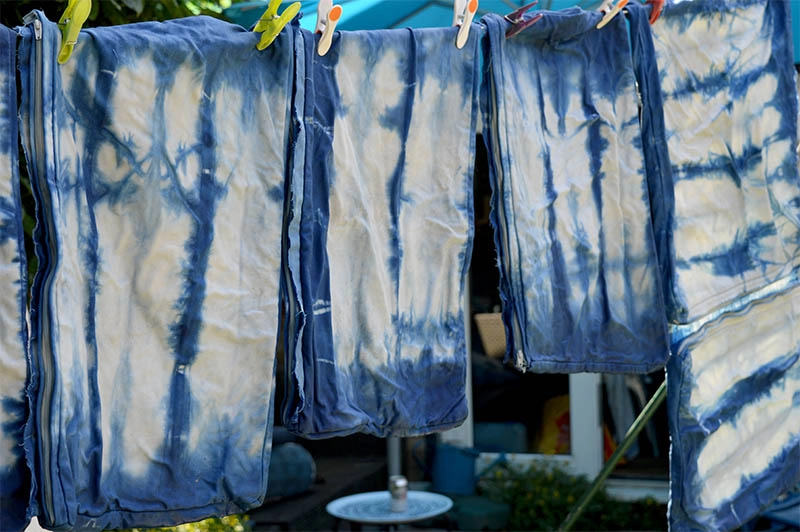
x,y
113,12
231,523
542,495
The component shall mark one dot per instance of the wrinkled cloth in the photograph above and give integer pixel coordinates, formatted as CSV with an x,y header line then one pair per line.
x,y
380,234
14,472
734,411
579,272
729,218
161,171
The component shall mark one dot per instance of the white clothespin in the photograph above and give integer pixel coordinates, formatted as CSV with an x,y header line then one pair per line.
x,y
611,13
328,16
463,13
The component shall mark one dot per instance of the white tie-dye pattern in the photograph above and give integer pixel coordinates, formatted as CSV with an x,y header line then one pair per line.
x,y
433,229
571,181
13,365
242,250
744,447
12,354
705,127
140,282
725,356
359,220
121,176
392,132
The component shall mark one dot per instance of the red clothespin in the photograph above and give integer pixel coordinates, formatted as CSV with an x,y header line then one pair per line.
x,y
655,9
519,23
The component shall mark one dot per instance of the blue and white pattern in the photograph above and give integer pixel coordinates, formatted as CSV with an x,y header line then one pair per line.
x,y
731,213
380,233
579,273
159,152
734,411
14,473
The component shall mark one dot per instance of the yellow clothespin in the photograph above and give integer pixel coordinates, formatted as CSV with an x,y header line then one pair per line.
x,y
463,13
328,16
611,14
270,24
70,22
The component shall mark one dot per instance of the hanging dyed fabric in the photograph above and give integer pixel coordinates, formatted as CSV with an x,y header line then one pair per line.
x,y
726,211
159,154
380,234
579,274
14,473
729,217
734,412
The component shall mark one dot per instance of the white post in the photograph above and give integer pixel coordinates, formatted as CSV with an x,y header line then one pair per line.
x,y
585,423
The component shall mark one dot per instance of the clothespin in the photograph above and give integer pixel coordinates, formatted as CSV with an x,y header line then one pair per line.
x,y
611,13
655,9
463,13
518,22
71,22
270,24
328,16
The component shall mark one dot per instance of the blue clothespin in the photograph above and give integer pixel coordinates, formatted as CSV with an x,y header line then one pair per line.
x,y
71,22
270,24
519,23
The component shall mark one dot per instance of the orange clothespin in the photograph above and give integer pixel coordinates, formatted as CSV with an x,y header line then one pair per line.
x,y
463,13
328,16
611,13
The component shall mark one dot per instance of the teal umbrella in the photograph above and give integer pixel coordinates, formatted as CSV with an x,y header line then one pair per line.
x,y
384,14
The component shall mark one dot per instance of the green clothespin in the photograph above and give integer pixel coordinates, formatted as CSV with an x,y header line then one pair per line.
x,y
71,21
270,24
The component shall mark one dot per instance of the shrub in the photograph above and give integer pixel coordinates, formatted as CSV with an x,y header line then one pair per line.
x,y
231,523
542,495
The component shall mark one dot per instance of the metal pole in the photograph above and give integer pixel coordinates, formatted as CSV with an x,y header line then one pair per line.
x,y
394,461
637,426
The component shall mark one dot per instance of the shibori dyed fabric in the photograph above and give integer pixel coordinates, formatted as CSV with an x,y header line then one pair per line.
x,y
731,215
579,273
734,411
14,472
380,234
160,165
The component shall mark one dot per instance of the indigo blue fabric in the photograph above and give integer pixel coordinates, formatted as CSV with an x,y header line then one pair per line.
x,y
730,211
734,411
578,265
380,233
14,472
159,155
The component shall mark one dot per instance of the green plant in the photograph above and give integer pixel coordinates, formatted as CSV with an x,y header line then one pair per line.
x,y
542,495
231,523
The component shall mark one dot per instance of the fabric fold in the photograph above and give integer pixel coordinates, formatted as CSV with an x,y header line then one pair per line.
x,y
14,472
158,153
579,273
380,234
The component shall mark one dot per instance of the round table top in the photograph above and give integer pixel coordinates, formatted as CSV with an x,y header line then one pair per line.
x,y
375,507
